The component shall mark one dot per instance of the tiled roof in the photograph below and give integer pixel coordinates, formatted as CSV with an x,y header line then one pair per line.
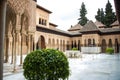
x,y
99,24
90,26
75,27
66,32
53,24
116,23
59,31
108,30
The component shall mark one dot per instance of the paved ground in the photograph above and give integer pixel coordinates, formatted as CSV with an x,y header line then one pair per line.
x,y
90,67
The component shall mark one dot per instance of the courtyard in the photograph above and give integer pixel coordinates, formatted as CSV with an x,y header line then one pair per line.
x,y
89,67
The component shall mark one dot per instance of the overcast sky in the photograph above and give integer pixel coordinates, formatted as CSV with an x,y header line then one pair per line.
x,y
66,12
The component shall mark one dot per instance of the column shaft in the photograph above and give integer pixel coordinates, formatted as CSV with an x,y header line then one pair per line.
x,y
2,32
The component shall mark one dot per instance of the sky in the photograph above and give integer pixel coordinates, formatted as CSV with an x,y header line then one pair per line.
x,y
66,12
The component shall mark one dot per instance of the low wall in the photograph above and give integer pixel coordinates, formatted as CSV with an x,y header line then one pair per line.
x,y
91,49
73,54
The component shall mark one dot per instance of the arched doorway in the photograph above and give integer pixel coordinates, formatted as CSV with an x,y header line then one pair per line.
x,y
41,43
103,46
85,44
89,42
79,46
94,42
116,46
75,45
72,45
67,46
110,43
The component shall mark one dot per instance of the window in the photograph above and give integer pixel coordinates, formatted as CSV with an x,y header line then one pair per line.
x,y
93,42
89,42
42,21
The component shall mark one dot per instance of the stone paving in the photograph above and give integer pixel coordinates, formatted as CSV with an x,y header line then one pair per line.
x,y
89,67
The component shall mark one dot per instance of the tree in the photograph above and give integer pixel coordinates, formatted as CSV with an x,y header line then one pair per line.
x,y
83,19
110,16
100,15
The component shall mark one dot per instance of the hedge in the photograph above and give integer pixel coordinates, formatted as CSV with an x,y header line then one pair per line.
x,y
46,64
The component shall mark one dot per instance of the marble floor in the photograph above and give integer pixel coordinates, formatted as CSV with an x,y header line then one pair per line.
x,y
89,67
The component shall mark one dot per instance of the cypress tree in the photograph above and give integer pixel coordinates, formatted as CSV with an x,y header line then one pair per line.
x,y
98,16
83,19
102,16
110,16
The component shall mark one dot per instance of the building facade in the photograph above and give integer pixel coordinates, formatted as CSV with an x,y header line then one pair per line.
x,y
28,28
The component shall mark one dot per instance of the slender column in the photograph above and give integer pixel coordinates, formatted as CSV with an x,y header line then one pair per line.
x,y
28,43
21,48
16,43
35,45
15,50
2,32
13,47
31,43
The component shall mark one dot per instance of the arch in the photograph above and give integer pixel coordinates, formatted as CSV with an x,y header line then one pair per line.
x,y
85,44
41,43
40,21
94,42
89,42
72,44
67,46
116,46
79,46
104,46
110,43
24,22
75,45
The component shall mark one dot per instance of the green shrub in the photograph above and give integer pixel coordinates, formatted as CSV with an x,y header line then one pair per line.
x,y
110,50
47,64
74,49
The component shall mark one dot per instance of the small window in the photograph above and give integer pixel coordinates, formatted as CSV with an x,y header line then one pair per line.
x,y
39,20
42,22
45,22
